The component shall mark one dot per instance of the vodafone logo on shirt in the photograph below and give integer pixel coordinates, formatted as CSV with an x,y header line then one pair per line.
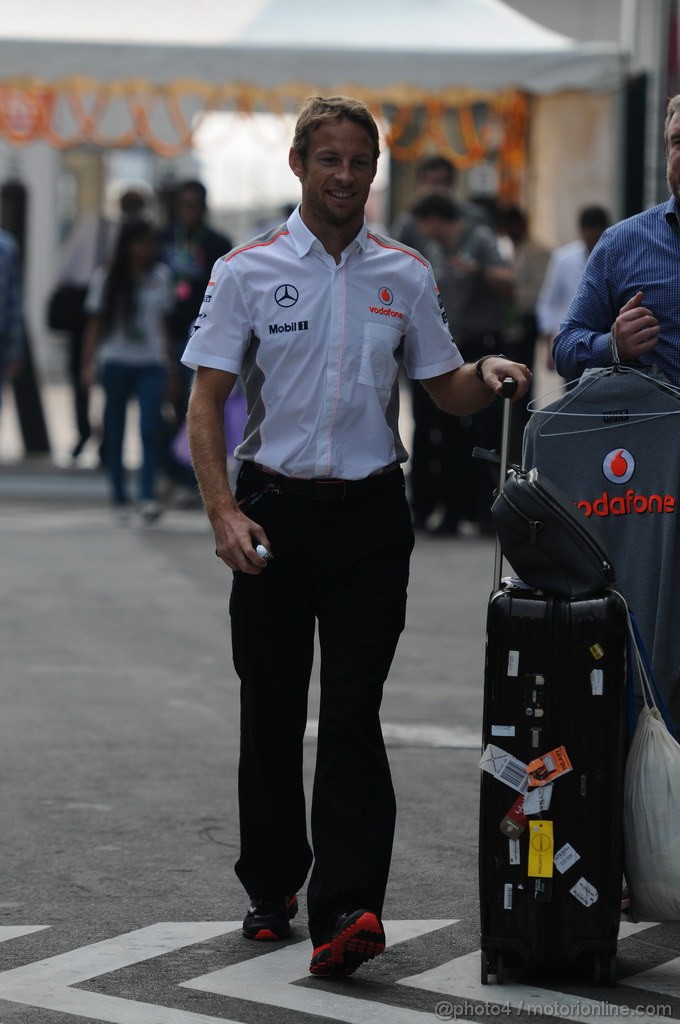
x,y
618,466
387,298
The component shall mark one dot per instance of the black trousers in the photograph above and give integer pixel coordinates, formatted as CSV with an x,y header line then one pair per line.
x,y
342,564
81,395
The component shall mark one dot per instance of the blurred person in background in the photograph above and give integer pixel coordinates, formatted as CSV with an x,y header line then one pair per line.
x,y
475,286
190,248
127,303
11,311
90,244
433,174
564,272
427,488
529,261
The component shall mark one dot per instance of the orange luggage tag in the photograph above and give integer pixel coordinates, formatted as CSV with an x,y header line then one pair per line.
x,y
548,767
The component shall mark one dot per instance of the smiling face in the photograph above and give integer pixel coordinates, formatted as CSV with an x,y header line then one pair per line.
x,y
336,175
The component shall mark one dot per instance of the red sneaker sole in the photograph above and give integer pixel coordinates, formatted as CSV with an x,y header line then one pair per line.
x,y
266,935
361,940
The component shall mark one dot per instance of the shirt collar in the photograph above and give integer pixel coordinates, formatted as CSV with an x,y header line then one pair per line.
x,y
304,239
671,214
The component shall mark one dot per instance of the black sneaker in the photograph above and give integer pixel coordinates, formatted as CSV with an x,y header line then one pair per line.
x,y
357,937
268,918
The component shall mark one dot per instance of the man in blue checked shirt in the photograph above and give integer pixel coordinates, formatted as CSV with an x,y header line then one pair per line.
x,y
11,318
628,300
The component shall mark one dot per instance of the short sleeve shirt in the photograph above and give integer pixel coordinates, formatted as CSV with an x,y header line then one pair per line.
x,y
319,346
143,341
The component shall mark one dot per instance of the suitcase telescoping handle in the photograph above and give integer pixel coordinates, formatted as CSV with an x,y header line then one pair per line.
x,y
509,388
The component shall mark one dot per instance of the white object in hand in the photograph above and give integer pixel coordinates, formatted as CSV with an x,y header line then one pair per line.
x,y
263,552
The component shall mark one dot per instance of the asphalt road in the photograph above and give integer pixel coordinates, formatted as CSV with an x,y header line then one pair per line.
x,y
118,747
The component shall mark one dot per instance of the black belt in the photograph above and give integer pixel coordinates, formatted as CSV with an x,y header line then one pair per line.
x,y
325,490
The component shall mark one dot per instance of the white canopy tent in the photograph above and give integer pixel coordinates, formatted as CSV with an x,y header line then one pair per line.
x,y
430,45
137,73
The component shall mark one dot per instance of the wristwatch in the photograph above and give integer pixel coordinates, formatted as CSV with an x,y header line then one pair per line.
x,y
480,363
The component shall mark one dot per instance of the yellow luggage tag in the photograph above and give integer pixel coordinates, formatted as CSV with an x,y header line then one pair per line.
x,y
540,864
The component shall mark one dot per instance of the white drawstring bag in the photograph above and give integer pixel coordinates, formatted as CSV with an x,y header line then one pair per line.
x,y
651,812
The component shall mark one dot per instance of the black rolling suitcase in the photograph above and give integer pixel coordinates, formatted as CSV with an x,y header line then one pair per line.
x,y
554,738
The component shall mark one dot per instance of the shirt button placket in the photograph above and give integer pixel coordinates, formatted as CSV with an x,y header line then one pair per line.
x,y
334,365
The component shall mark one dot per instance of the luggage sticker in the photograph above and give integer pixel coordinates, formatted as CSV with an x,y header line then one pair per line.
x,y
515,820
513,851
565,857
597,682
597,651
502,730
504,767
584,892
543,769
538,799
507,896
540,849
513,663
542,890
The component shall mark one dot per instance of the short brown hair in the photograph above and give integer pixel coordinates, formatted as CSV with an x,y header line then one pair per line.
x,y
672,109
318,110
436,204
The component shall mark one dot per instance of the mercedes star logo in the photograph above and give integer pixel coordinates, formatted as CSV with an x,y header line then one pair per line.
x,y
286,295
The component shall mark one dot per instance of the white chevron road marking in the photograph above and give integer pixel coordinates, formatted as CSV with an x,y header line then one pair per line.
x,y
270,979
47,983
271,983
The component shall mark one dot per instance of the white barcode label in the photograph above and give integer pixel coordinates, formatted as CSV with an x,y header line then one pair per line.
x,y
584,892
597,682
502,730
565,857
513,663
513,851
505,768
507,896
538,800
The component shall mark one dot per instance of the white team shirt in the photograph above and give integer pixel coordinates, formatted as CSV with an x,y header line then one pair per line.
x,y
560,284
319,346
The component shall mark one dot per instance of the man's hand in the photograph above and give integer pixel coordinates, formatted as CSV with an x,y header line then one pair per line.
x,y
461,393
636,329
236,538
496,369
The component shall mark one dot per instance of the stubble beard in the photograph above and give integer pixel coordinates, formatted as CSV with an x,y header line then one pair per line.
x,y
324,214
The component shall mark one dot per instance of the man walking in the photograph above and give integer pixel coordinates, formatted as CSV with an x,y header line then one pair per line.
x,y
316,317
11,311
565,272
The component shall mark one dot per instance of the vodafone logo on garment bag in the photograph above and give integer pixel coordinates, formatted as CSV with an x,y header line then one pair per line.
x,y
618,467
